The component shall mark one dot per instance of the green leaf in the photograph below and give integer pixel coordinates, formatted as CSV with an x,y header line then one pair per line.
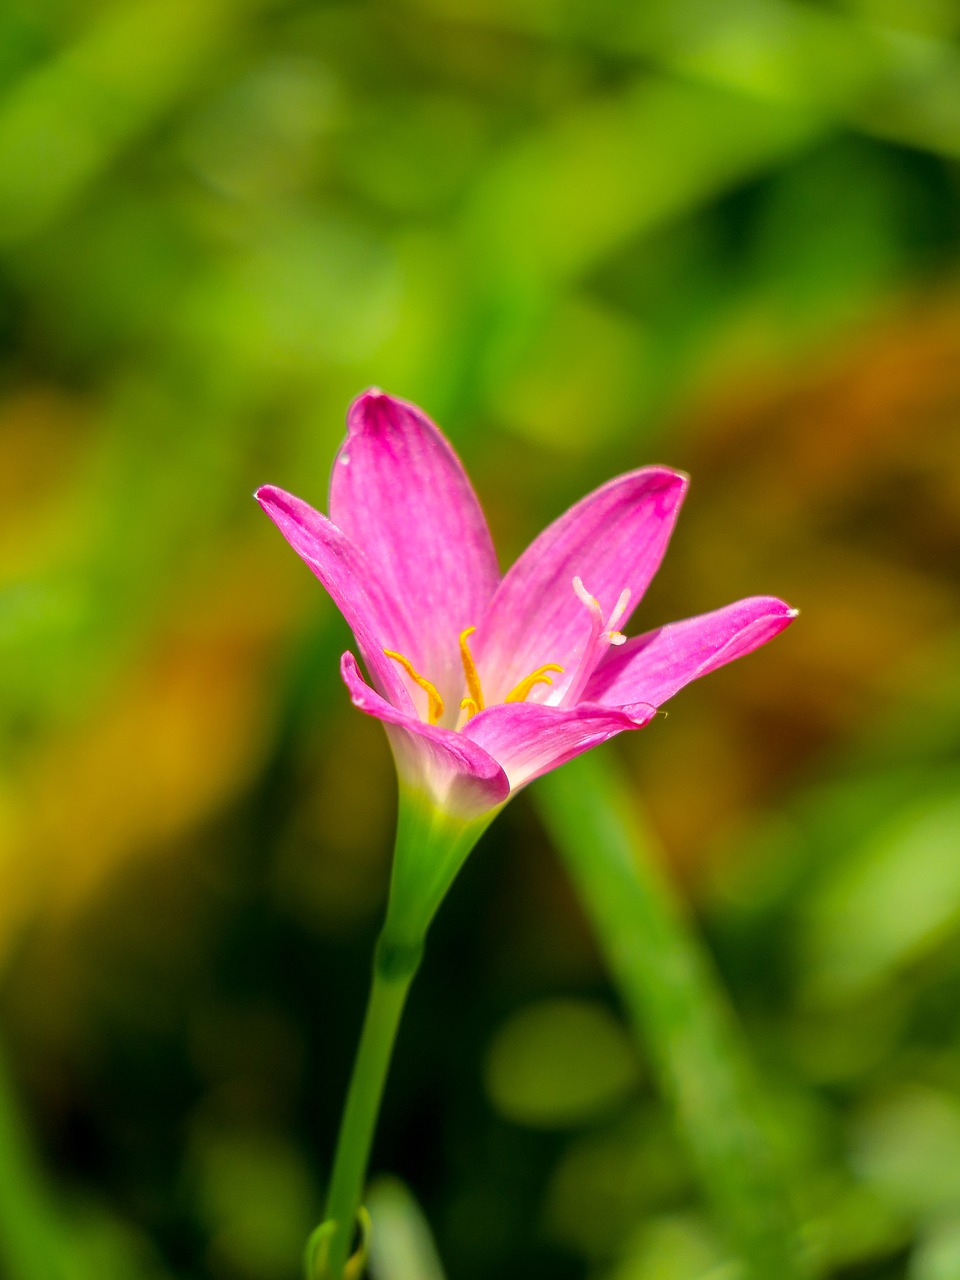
x,y
672,994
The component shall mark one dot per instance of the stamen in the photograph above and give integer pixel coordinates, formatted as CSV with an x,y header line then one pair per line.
x,y
470,671
434,701
619,609
519,694
612,635
469,706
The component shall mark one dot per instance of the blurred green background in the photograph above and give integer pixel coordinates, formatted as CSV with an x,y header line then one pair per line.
x,y
584,235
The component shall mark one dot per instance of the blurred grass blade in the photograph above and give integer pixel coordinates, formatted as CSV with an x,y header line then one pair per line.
x,y
562,199
401,1246
40,1238
66,123
667,985
32,1243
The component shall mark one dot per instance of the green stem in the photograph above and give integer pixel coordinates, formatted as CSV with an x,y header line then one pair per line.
x,y
431,847
393,972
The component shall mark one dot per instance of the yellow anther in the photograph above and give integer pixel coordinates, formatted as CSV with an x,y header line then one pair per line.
x,y
470,671
519,694
434,701
469,706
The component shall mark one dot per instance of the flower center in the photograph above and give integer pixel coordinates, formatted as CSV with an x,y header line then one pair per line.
x,y
603,634
473,702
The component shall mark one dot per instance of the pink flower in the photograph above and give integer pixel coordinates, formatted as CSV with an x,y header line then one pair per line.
x,y
485,682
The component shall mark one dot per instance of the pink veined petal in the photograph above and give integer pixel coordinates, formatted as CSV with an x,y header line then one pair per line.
x,y
612,539
653,667
341,568
529,739
400,493
461,776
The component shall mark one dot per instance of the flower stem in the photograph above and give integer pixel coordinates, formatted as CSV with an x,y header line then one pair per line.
x,y
431,846
393,972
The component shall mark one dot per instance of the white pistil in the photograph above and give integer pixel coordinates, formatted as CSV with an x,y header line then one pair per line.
x,y
602,635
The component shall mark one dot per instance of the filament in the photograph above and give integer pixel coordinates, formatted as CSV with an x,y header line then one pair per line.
x,y
434,701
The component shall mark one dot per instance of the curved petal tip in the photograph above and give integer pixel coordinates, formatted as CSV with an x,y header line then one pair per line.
x,y
265,493
460,776
374,410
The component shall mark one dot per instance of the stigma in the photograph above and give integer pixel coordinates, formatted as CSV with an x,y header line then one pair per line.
x,y
603,633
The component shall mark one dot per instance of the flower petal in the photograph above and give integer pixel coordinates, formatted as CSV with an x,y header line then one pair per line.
x,y
460,775
612,539
653,667
341,568
400,494
529,739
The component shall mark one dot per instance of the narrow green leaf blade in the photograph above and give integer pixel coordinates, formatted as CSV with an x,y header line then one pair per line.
x,y
678,1008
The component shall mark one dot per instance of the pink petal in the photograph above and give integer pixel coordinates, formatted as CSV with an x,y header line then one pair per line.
x,y
654,666
341,568
459,774
530,739
612,539
400,494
